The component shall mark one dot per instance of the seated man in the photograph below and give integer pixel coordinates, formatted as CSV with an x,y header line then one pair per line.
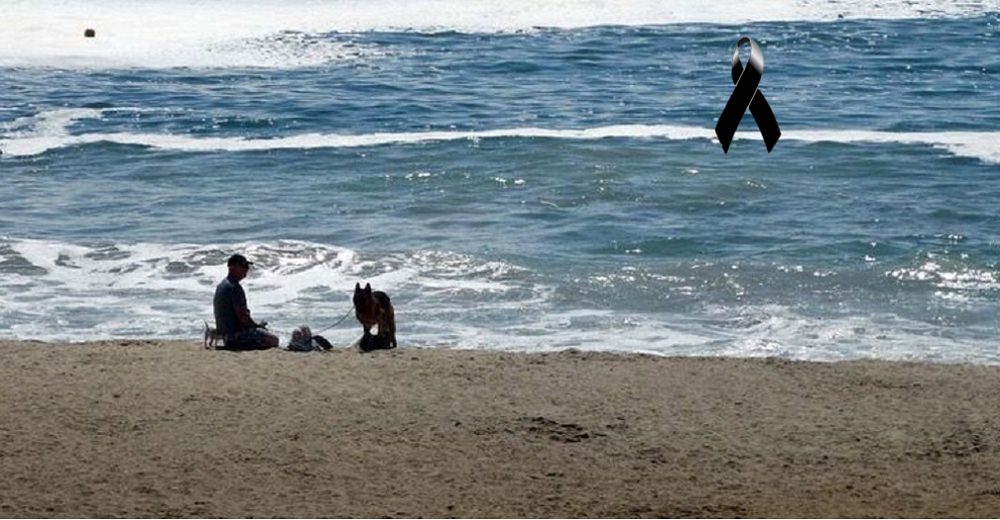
x,y
232,317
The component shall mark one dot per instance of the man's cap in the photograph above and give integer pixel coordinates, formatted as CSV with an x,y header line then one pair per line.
x,y
240,260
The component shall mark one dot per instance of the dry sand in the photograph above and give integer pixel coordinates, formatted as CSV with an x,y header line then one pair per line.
x,y
136,428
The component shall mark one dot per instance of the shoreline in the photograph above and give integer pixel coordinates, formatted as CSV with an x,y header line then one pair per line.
x,y
165,428
518,351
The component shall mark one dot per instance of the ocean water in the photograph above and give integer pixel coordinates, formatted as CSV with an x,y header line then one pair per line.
x,y
514,176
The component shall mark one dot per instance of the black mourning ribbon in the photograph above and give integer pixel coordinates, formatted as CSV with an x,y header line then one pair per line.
x,y
746,95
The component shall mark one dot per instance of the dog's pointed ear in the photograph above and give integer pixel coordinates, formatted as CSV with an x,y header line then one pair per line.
x,y
368,287
357,286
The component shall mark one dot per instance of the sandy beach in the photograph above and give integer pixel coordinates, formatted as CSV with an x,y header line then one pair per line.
x,y
154,428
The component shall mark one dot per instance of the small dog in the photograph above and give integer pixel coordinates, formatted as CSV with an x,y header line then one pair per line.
x,y
374,308
211,337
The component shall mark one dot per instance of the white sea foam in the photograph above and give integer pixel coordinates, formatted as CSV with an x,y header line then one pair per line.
x,y
63,291
66,291
49,130
984,146
779,331
240,33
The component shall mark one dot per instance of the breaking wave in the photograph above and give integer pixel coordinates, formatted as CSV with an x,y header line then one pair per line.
x,y
49,131
257,33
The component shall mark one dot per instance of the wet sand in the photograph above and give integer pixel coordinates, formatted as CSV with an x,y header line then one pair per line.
x,y
154,428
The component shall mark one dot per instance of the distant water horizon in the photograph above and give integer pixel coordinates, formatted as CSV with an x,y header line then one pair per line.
x,y
515,178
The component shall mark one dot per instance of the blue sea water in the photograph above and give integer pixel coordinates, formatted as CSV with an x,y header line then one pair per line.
x,y
537,188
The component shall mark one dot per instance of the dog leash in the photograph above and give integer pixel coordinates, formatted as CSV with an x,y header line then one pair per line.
x,y
337,323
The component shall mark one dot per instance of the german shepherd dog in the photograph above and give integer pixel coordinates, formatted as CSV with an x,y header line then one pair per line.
x,y
374,308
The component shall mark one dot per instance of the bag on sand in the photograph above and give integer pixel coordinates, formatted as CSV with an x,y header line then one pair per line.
x,y
304,341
